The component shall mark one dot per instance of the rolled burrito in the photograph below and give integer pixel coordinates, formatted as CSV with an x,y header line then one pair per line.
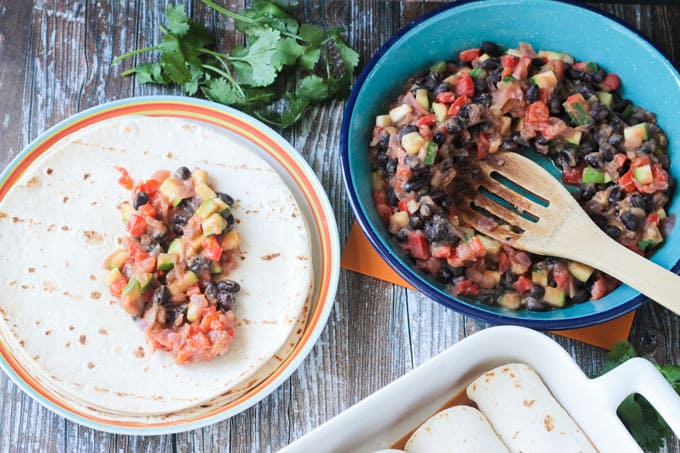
x,y
459,429
524,414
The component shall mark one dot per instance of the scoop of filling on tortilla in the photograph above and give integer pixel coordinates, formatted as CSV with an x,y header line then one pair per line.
x,y
171,273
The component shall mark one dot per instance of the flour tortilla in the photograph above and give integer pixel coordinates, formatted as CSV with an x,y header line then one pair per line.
x,y
458,429
60,221
524,414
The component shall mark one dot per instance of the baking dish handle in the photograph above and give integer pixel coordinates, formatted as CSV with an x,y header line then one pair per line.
x,y
639,375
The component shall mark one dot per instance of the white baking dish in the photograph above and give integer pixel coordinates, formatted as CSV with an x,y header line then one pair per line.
x,y
386,416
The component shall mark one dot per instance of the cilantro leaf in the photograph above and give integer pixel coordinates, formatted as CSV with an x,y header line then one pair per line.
x,y
672,375
222,91
288,52
643,422
620,352
267,14
348,55
176,20
147,73
173,61
259,57
312,88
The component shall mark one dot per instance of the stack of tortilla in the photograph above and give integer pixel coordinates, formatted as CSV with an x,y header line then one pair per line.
x,y
60,221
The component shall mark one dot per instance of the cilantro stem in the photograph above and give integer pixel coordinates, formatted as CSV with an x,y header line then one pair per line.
x,y
212,52
229,13
326,57
226,75
134,52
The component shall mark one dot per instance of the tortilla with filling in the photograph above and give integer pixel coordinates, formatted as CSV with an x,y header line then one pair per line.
x,y
60,221
524,414
458,429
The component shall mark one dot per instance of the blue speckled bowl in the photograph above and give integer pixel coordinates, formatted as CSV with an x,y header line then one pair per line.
x,y
649,79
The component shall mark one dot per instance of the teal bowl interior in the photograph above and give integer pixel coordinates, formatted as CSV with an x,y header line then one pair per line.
x,y
648,79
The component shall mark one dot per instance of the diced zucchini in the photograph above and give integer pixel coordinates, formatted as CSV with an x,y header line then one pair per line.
x,y
132,289
633,136
440,111
510,300
643,174
430,153
514,52
651,237
199,176
592,67
574,138
627,112
112,276
423,98
377,181
126,210
550,54
231,240
175,247
577,109
478,73
439,67
546,79
383,120
165,261
554,296
412,142
580,271
181,285
144,280
214,224
493,275
605,98
171,189
607,177
116,259
215,268
592,176
540,277
209,207
506,122
205,192
398,220
661,212
492,246
400,112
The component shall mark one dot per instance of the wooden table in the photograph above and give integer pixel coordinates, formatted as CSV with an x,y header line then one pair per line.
x,y
55,60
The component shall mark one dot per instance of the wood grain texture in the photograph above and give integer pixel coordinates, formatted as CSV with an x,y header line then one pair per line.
x,y
55,60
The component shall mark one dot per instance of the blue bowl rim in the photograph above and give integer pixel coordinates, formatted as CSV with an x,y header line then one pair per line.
x,y
405,271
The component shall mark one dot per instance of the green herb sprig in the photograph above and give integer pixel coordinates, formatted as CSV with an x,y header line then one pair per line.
x,y
250,77
643,422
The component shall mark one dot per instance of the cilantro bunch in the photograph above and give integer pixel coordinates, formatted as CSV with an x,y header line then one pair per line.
x,y
643,422
250,77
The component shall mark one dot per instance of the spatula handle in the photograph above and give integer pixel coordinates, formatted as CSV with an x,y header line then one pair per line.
x,y
652,280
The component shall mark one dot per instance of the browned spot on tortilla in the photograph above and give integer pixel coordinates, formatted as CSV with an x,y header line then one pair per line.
x,y
518,385
270,257
34,181
36,357
31,270
139,353
65,228
529,403
251,211
51,228
505,370
514,436
112,302
90,365
512,375
22,343
68,344
94,203
95,295
24,286
246,321
268,322
92,277
103,332
17,220
48,332
548,423
71,327
49,287
12,283
490,374
298,331
302,258
85,176
93,238
67,264
169,156
121,394
67,294
49,171
65,200
37,323
278,358
83,339
101,389
3,215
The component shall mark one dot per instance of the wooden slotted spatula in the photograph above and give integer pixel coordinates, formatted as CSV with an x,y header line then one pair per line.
x,y
562,228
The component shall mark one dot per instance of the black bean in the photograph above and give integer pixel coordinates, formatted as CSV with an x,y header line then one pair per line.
x,y
567,158
619,104
445,274
407,130
607,152
599,112
456,271
597,76
615,139
483,99
637,201
442,88
425,210
415,222
613,231
454,125
226,198
161,295
491,48
490,64
575,74
211,292
587,192
199,264
384,142
458,141
175,312
581,295
594,160
509,278
508,145
439,138
381,160
486,298
464,111
631,221
230,220
537,291
532,94
140,200
183,173
225,301
481,85
532,304
521,141
391,167
555,105
616,194
585,148
436,229
228,286
647,147
413,185
585,89
651,201
402,235
495,76
392,198
537,62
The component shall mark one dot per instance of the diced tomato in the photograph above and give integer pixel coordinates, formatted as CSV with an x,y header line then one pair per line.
x,y
562,278
469,55
418,246
125,180
503,262
581,66
557,67
147,210
384,211
611,82
536,113
427,120
477,247
160,175
136,255
117,286
211,249
150,187
523,284
404,172
627,181
426,132
464,85
553,127
506,72
509,61
445,97
482,145
431,265
146,265
521,71
194,290
403,205
620,159
136,225
573,175
441,251
599,289
457,104
465,287
635,249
